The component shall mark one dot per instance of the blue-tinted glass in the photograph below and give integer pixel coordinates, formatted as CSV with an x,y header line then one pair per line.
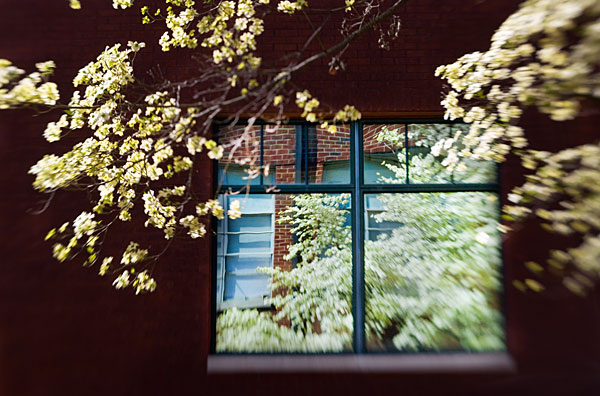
x,y
246,287
247,265
336,173
251,223
255,203
374,223
380,169
249,243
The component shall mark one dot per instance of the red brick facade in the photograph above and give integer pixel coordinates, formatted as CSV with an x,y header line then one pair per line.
x,y
66,331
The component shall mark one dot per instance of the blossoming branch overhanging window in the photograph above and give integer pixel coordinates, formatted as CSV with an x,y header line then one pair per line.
x,y
367,243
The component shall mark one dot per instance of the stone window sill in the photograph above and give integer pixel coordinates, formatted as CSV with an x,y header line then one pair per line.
x,y
450,363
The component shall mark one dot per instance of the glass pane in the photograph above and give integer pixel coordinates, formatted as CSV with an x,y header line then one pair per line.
x,y
249,243
329,155
310,282
240,164
254,203
383,154
279,154
248,265
246,287
433,282
427,168
251,223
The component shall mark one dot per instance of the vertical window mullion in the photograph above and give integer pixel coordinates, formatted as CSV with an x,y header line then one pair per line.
x,y
358,280
299,166
305,150
262,150
406,152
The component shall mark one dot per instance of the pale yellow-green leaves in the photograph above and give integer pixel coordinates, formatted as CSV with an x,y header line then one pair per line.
x,y
160,215
531,61
348,113
123,4
144,283
16,90
133,254
178,24
122,281
309,104
105,266
290,7
195,228
75,4
572,175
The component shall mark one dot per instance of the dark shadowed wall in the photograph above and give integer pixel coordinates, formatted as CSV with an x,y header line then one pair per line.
x,y
66,331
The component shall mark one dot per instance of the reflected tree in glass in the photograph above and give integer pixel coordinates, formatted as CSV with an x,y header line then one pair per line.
x,y
432,271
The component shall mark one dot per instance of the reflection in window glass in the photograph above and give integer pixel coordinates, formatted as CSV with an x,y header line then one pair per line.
x,y
240,163
310,279
328,152
433,281
426,168
431,256
244,247
384,155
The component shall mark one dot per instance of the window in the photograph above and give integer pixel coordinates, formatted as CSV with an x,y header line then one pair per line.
x,y
244,245
367,243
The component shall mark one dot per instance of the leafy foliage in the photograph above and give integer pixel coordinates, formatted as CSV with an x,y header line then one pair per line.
x,y
546,55
139,141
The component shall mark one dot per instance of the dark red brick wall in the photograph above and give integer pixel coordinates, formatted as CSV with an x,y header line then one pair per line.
x,y
65,331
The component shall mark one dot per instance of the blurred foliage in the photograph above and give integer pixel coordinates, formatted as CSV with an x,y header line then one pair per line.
x,y
432,283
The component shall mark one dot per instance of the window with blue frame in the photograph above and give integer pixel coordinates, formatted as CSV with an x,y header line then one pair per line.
x,y
359,241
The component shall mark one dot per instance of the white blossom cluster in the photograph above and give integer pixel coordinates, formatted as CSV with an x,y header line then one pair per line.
x,y
570,176
546,55
129,149
309,104
133,141
16,90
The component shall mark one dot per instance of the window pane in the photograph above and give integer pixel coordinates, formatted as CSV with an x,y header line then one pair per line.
x,y
383,154
433,282
247,264
246,287
427,168
249,243
240,163
329,155
310,281
251,223
244,249
280,148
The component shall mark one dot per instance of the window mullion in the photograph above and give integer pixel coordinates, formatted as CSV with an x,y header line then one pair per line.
x,y
407,158
358,279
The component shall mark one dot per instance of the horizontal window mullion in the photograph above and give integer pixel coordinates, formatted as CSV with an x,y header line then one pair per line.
x,y
416,188
291,189
245,232
248,254
246,273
